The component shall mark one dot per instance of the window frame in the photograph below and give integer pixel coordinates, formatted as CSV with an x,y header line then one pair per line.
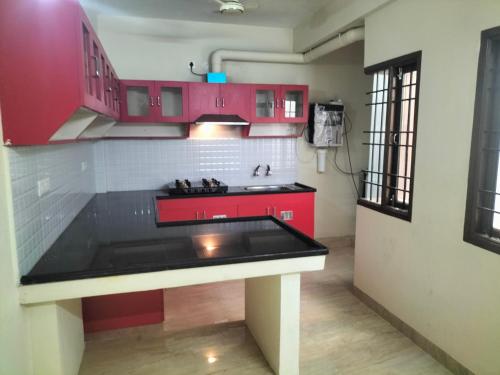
x,y
385,207
472,235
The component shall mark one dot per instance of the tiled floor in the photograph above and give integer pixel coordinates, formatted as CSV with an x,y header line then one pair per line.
x,y
339,334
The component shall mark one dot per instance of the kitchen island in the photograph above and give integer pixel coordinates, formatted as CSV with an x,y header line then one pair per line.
x,y
115,246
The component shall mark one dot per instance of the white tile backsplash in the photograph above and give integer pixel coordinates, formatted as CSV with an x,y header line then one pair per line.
x,y
39,220
150,164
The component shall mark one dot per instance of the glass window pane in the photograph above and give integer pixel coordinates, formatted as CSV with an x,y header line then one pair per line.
x,y
294,104
137,101
171,101
264,103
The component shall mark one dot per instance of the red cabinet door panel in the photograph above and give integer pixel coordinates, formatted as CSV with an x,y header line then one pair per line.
x,y
293,104
115,311
176,214
138,102
220,212
204,99
173,101
235,99
253,209
264,103
297,210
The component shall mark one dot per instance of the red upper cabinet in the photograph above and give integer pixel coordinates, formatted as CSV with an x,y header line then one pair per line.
x,y
215,98
204,99
279,103
264,103
138,100
53,76
97,77
154,101
235,100
293,103
173,101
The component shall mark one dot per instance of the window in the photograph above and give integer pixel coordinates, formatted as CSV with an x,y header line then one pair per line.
x,y
387,184
482,217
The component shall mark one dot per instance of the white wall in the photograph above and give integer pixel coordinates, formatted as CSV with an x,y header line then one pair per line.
x,y
162,49
15,355
422,271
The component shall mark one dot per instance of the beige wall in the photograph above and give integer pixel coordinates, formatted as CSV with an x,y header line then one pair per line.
x,y
422,271
336,17
162,49
15,356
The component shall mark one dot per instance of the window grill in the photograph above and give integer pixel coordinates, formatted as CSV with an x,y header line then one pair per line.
x,y
482,218
388,180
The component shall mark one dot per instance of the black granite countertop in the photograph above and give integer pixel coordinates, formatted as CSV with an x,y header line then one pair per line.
x,y
242,190
116,234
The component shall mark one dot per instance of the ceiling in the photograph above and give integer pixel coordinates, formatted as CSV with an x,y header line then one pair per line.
x,y
273,13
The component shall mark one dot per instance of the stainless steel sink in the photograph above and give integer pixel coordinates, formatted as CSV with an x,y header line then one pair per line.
x,y
266,188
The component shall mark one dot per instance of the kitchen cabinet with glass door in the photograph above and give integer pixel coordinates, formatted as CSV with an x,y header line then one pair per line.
x,y
154,101
279,104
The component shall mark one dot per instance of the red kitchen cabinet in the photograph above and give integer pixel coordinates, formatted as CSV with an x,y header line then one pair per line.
x,y
53,71
295,209
173,101
235,100
222,211
204,99
294,104
115,311
297,212
185,209
138,101
253,209
265,103
214,99
154,101
279,103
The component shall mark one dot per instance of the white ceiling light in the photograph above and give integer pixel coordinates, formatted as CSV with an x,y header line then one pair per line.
x,y
231,7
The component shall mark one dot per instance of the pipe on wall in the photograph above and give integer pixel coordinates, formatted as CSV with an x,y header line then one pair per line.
x,y
342,40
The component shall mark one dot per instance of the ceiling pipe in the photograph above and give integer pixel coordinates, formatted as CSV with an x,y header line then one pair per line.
x,y
342,40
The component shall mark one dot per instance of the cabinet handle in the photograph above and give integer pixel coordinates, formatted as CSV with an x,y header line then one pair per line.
x,y
96,64
223,103
197,215
151,102
283,103
109,89
274,211
158,101
277,103
204,214
217,102
267,211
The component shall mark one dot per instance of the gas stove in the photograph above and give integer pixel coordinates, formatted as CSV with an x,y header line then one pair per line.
x,y
204,186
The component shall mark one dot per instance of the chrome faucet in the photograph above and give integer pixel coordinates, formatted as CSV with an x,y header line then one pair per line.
x,y
256,171
268,170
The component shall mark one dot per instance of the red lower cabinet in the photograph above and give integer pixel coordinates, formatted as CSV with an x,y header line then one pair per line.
x,y
104,313
296,209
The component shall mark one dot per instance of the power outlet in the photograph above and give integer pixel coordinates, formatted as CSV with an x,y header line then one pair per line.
x,y
286,215
43,186
84,166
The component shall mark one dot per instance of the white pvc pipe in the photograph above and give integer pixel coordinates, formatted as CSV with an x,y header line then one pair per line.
x,y
220,55
340,41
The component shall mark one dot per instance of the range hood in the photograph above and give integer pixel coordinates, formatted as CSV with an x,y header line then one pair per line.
x,y
233,120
